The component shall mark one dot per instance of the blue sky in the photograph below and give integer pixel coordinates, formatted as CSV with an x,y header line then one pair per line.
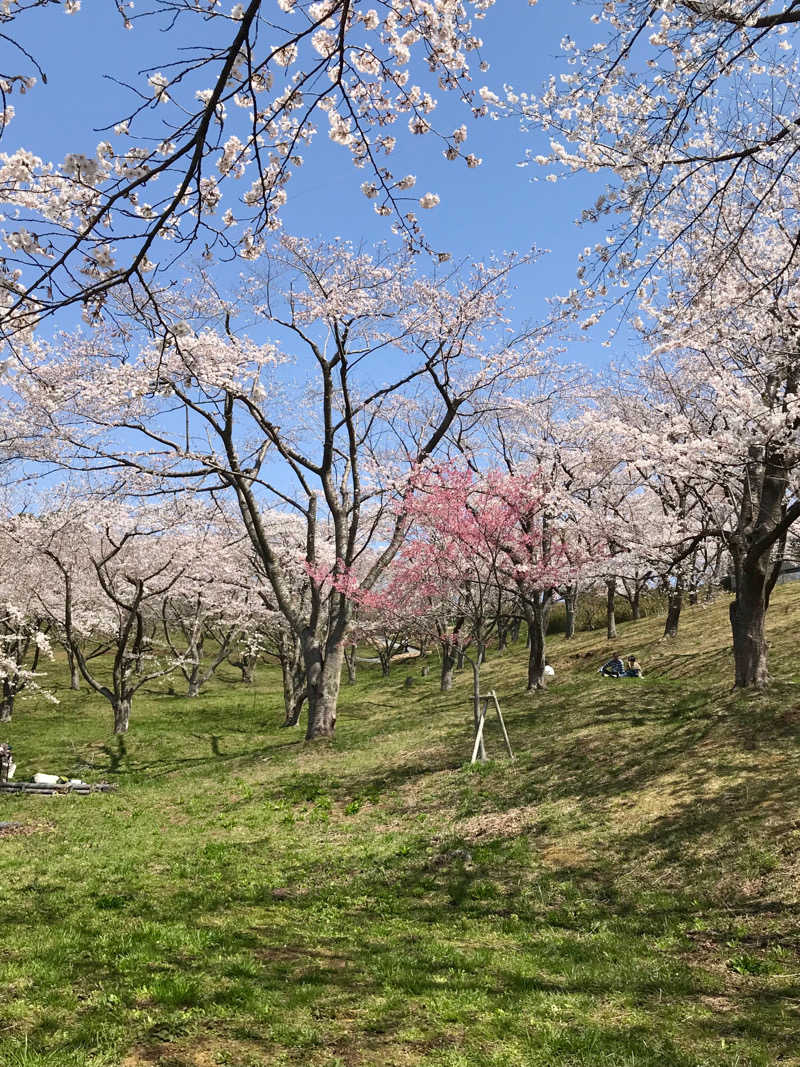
x,y
493,208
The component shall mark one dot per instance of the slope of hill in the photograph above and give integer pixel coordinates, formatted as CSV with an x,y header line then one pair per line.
x,y
626,892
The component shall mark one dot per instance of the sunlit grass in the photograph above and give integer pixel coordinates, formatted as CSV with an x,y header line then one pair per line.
x,y
625,893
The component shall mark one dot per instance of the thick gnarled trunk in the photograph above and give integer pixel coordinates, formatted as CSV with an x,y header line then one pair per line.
x,y
324,671
748,614
294,688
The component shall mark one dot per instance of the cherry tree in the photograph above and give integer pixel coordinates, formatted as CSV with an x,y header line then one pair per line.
x,y
24,636
474,537
109,569
534,524
215,603
683,104
398,368
725,357
214,135
452,557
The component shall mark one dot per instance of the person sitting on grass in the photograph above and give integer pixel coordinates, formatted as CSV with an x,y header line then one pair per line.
x,y
633,668
615,668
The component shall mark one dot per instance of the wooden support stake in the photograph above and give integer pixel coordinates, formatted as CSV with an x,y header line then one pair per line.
x,y
502,723
479,731
482,722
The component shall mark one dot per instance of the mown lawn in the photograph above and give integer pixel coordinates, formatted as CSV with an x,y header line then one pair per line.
x,y
626,893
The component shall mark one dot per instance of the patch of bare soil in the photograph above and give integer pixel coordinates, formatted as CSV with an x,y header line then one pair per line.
x,y
497,824
18,829
196,1052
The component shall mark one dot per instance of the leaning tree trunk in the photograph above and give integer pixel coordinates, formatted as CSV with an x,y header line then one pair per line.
x,y
323,671
611,618
122,715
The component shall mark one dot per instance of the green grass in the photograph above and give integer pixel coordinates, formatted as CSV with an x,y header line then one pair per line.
x,y
626,894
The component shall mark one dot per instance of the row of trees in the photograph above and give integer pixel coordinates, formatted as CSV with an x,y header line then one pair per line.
x,y
395,443
135,594
348,391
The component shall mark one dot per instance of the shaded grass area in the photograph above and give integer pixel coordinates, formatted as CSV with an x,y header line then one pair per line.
x,y
625,893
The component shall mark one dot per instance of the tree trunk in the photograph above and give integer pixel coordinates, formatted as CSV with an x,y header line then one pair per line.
x,y
294,689
324,677
636,610
674,605
537,612
516,623
6,708
194,687
476,703
611,618
448,663
570,605
350,661
74,670
748,616
122,715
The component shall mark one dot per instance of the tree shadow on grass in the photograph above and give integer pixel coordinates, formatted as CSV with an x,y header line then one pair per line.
x,y
367,961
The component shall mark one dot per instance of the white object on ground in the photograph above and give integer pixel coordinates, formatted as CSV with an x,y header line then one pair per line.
x,y
549,670
45,779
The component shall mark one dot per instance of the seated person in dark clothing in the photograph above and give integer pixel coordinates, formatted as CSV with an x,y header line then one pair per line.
x,y
615,668
633,668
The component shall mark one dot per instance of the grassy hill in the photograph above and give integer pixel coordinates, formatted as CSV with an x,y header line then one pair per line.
x,y
625,894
